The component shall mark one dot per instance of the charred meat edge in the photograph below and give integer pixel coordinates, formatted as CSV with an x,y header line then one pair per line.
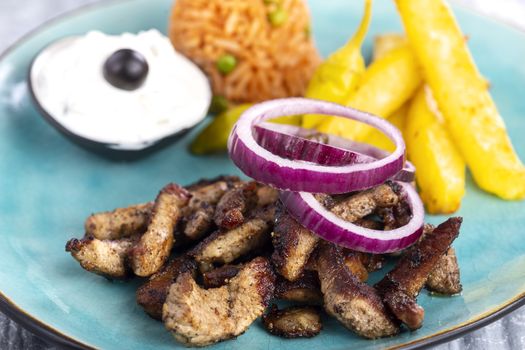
x,y
355,304
403,283
293,322
103,257
305,290
152,294
220,276
235,203
155,245
198,317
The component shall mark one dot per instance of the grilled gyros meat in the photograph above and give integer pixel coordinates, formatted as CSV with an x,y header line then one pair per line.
x,y
223,247
355,304
119,223
104,257
198,214
357,206
266,195
292,244
400,287
152,294
369,223
231,180
444,278
293,322
220,276
155,245
234,205
354,262
198,317
125,222
306,289
311,271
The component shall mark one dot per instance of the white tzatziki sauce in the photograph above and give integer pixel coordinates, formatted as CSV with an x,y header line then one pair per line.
x,y
67,81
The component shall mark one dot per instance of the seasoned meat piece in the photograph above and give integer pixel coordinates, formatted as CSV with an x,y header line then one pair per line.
x,y
326,200
427,229
155,245
266,195
305,290
119,223
405,308
387,216
235,204
103,257
125,222
363,203
219,276
354,262
152,294
199,317
396,216
293,245
444,278
401,286
198,214
229,179
199,220
355,304
224,247
293,322
402,213
372,262
369,223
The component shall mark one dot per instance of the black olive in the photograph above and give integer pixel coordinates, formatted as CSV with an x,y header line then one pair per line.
x,y
126,69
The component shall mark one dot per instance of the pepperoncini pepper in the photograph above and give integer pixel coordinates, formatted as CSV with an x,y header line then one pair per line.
x,y
337,77
385,86
214,137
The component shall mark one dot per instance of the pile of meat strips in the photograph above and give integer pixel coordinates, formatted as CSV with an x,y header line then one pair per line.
x,y
218,252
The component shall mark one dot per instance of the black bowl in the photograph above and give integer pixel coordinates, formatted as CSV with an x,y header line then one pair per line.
x,y
106,150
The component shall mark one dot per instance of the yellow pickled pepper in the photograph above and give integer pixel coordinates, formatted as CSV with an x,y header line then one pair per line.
x,y
214,138
337,77
385,86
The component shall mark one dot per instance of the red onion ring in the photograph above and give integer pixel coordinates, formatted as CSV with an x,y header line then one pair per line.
x,y
292,142
285,174
312,215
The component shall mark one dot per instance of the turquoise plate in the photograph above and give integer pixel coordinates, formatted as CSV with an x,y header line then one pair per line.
x,y
49,185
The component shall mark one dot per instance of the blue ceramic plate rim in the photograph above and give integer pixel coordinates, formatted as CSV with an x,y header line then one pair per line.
x,y
55,337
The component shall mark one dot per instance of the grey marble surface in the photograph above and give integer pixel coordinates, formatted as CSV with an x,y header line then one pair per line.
x,y
17,17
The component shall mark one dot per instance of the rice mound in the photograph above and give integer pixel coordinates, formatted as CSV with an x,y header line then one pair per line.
x,y
272,60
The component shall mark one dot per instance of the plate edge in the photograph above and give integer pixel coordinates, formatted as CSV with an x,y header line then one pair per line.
x,y
466,327
41,329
